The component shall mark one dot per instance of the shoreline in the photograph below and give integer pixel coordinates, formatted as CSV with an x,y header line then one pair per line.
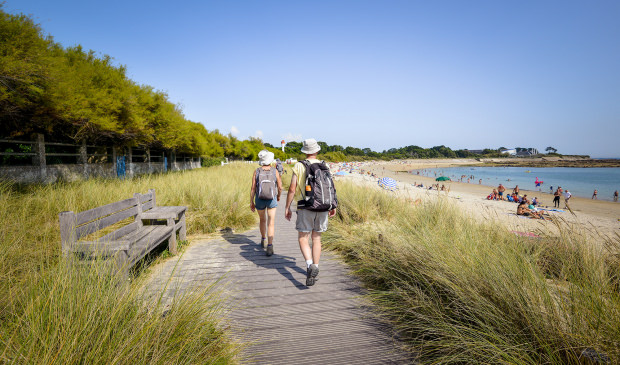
x,y
600,215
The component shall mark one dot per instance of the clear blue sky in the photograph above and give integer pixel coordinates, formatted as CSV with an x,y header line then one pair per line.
x,y
378,74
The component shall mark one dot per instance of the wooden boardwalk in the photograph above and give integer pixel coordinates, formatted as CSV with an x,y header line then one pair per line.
x,y
272,310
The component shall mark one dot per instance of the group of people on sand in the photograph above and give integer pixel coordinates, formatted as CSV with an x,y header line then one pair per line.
x,y
310,221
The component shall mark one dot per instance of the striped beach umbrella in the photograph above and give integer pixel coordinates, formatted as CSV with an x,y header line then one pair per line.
x,y
388,183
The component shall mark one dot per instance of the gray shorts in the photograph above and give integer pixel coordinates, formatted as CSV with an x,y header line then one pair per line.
x,y
308,221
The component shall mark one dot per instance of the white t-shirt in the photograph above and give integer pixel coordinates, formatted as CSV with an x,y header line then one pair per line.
x,y
567,194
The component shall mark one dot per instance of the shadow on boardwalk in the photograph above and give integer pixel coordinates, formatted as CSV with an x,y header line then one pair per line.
x,y
254,252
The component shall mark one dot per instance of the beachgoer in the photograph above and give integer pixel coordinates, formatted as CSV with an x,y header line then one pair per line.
x,y
594,195
556,198
567,196
265,181
616,196
535,201
500,191
494,194
308,223
480,182
516,190
523,210
551,189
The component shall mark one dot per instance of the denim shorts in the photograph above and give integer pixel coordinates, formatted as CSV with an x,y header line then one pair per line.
x,y
262,204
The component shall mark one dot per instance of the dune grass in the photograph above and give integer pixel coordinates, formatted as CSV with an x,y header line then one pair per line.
x,y
50,313
463,292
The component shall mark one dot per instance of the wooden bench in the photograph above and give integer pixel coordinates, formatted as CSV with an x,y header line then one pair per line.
x,y
129,243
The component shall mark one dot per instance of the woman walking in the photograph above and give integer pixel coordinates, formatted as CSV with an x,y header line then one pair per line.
x,y
264,197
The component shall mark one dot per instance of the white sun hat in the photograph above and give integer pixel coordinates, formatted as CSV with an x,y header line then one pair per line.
x,y
265,158
310,146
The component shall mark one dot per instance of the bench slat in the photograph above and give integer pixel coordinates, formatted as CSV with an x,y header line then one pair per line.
x,y
96,213
146,197
148,205
164,212
144,245
101,248
123,231
96,225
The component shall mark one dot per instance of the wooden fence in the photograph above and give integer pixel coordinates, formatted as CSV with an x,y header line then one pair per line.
x,y
42,161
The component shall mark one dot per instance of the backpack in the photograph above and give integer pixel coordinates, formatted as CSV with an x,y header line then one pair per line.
x,y
279,167
266,188
320,190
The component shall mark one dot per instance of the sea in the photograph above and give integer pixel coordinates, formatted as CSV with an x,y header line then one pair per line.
x,y
579,181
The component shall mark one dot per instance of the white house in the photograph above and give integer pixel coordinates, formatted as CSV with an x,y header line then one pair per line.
x,y
511,152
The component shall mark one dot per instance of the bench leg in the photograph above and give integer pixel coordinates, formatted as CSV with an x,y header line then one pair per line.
x,y
183,230
120,266
172,242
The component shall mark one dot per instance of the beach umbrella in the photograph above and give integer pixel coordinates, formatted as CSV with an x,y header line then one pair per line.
x,y
388,183
341,173
442,178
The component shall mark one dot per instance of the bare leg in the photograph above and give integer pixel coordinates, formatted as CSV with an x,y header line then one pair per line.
x,y
271,223
304,245
316,247
262,225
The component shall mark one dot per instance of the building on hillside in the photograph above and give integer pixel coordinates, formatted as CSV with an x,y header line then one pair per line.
x,y
526,152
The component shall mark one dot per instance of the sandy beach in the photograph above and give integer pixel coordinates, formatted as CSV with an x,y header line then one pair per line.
x,y
594,216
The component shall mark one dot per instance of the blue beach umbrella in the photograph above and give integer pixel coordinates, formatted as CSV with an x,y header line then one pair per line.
x,y
388,183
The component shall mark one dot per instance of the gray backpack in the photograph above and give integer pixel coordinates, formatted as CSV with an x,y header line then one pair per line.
x,y
266,188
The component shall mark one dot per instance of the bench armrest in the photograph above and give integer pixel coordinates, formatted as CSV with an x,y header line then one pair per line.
x,y
173,212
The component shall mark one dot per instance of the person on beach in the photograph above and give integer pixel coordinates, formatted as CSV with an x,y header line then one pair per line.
x,y
500,191
556,198
594,195
308,223
616,196
264,197
567,196
516,190
523,210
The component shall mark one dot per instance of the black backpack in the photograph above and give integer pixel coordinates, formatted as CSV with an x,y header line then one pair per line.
x,y
266,187
320,193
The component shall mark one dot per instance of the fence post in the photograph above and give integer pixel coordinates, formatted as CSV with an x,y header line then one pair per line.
x,y
39,157
114,167
83,159
148,159
129,162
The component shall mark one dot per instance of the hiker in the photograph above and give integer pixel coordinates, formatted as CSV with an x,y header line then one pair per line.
x,y
280,167
312,214
264,197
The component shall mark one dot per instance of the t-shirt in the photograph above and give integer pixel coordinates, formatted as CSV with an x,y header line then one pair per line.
x,y
300,171
567,195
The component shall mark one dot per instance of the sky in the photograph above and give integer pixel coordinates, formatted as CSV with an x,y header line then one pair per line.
x,y
377,74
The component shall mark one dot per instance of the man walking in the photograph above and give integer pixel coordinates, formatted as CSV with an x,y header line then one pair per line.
x,y
567,196
308,223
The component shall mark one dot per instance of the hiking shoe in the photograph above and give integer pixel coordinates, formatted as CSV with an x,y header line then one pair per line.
x,y
269,250
313,271
262,242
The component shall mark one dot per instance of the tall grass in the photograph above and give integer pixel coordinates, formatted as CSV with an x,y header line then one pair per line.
x,y
464,292
47,310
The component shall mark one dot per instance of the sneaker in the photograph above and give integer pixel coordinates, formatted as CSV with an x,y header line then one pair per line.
x,y
269,250
313,271
262,242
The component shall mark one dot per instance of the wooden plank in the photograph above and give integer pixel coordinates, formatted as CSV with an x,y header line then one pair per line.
x,y
109,220
102,211
100,247
17,154
146,197
123,231
164,212
148,242
146,206
67,231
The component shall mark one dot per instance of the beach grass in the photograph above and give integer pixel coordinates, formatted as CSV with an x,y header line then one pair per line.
x,y
43,302
459,291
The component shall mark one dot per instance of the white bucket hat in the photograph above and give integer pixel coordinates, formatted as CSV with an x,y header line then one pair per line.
x,y
265,158
310,146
